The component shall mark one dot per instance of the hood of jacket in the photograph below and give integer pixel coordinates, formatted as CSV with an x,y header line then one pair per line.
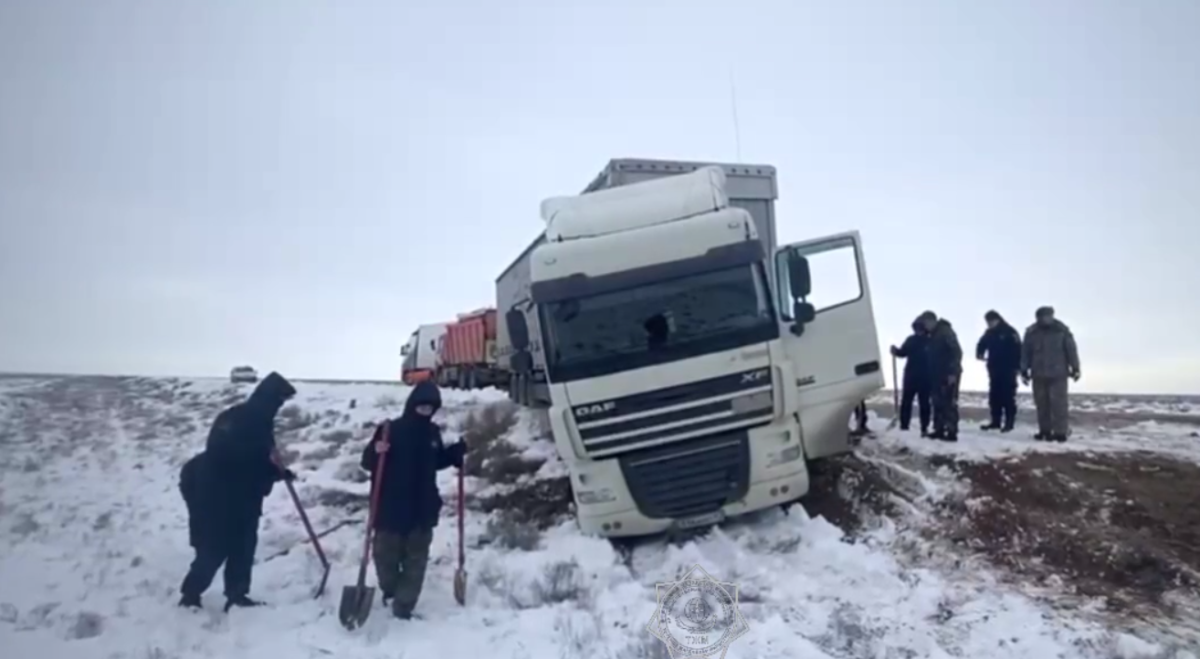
x,y
425,393
270,394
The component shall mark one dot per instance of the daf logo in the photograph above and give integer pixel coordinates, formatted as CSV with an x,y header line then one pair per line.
x,y
596,408
754,376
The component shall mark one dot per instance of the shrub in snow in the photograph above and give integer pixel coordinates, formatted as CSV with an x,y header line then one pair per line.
x,y
351,472
86,625
491,456
320,454
337,437
291,418
507,529
542,503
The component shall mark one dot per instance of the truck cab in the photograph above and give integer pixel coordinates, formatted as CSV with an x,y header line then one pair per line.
x,y
420,354
691,367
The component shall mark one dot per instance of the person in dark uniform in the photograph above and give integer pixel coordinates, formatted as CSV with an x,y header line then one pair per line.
x,y
1000,347
917,381
945,368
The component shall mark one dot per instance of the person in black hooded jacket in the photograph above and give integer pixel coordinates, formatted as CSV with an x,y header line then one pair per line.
x,y
224,488
1000,347
917,381
409,501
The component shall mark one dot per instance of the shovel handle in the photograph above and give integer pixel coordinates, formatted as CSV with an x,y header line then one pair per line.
x,y
376,488
462,555
308,528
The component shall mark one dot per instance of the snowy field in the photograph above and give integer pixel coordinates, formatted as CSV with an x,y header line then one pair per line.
x,y
93,545
1112,406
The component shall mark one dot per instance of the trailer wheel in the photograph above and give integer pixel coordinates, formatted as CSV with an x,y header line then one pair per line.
x,y
472,379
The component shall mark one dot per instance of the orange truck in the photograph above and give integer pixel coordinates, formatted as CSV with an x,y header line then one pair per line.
x,y
467,353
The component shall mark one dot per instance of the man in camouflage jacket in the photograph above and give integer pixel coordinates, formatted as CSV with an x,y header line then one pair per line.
x,y
1048,357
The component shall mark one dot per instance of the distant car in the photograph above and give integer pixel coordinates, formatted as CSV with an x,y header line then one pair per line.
x,y
243,374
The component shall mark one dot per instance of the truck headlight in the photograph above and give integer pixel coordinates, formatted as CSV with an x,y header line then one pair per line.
x,y
594,497
789,454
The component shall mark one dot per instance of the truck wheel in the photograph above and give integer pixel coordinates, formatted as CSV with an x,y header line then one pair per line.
x,y
472,379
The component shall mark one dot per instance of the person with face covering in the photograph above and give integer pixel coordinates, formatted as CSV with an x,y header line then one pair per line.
x,y
1048,357
224,488
1000,347
917,381
409,501
945,369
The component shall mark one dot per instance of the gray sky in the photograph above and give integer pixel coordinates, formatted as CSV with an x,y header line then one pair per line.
x,y
189,185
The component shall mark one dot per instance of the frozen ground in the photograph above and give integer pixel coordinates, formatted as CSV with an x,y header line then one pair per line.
x,y
93,545
1118,409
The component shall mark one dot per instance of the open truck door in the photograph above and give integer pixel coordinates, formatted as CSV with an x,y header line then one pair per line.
x,y
828,335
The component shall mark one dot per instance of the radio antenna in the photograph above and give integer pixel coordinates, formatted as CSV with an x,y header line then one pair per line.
x,y
737,130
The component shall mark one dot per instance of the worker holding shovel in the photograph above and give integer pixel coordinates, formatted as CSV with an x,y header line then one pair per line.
x,y
409,452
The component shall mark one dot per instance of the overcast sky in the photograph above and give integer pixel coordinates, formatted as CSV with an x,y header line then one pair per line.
x,y
190,185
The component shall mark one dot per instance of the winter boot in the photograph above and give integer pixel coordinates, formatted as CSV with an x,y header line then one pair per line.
x,y
994,425
190,601
241,601
1039,436
1008,427
949,436
1058,437
937,434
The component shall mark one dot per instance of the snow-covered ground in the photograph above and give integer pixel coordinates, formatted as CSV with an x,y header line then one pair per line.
x,y
93,545
1110,404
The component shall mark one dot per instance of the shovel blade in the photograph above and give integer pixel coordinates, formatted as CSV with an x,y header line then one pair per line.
x,y
355,606
460,587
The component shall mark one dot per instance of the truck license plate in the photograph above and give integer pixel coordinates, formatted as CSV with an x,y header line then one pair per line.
x,y
699,520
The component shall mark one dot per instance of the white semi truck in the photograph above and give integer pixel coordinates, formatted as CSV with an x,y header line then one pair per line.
x,y
690,368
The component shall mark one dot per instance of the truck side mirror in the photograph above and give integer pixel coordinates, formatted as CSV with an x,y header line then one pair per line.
x,y
799,278
404,350
518,329
803,312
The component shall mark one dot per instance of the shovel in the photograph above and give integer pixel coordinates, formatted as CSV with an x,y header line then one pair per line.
x,y
460,575
895,397
312,536
358,599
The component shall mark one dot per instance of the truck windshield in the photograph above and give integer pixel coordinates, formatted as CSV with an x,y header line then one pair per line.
x,y
657,323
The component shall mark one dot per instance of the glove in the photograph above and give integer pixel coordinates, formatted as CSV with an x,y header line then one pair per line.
x,y
287,475
1075,375
456,452
895,351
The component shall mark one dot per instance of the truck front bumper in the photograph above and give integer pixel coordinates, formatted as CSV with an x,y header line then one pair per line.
x,y
759,496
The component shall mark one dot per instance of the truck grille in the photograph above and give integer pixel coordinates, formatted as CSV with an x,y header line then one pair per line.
x,y
661,416
689,478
